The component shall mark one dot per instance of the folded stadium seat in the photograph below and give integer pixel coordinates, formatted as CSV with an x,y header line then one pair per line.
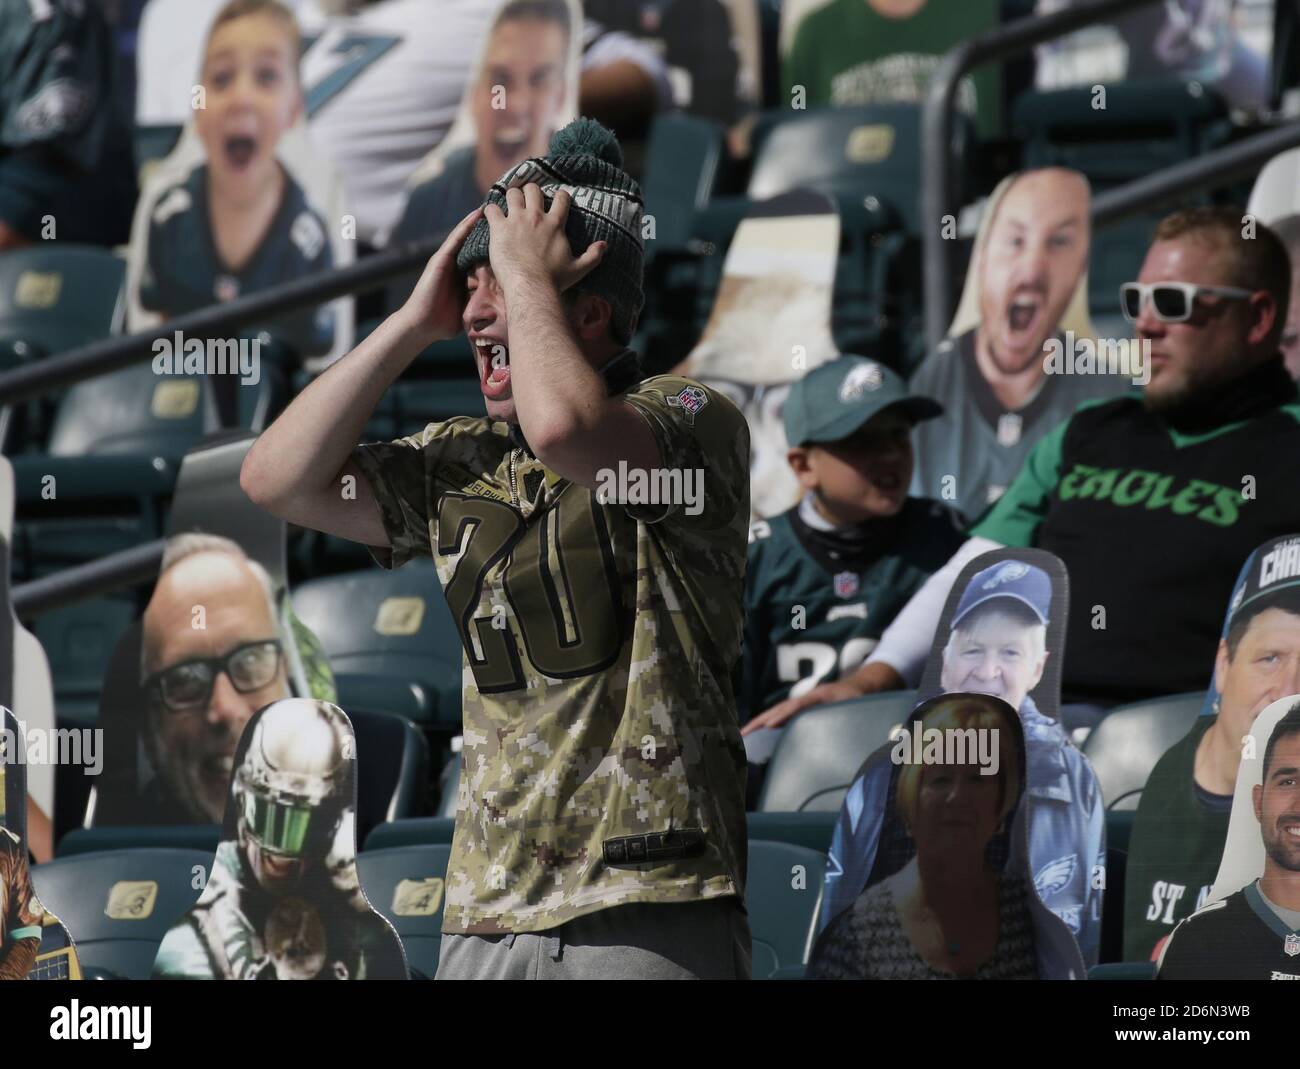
x,y
811,829
1119,828
869,159
823,748
449,787
1144,127
391,624
53,297
392,768
415,831
1125,746
200,837
407,886
152,143
119,905
684,156
783,891
92,507
139,415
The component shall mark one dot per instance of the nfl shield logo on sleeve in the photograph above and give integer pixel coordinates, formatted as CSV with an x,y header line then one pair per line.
x,y
690,400
846,584
1292,945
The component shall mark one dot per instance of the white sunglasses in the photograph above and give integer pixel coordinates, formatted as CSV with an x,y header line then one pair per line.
x,y
1172,301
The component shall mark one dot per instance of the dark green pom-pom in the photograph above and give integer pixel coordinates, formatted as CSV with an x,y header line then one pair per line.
x,y
586,137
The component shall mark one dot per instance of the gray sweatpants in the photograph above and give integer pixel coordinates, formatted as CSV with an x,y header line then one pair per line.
x,y
702,940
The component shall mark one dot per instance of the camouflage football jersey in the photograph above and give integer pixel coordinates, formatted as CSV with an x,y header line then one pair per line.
x,y
183,271
602,759
20,912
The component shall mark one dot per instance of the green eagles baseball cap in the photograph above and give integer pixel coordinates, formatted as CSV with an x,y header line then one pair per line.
x,y
836,398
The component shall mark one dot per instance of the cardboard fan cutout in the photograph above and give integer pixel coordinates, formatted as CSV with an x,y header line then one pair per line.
x,y
1002,632
1021,352
25,683
1249,926
243,203
947,892
283,899
523,88
769,325
218,640
34,945
1182,823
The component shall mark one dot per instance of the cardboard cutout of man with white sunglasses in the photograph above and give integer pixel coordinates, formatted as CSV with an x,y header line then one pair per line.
x,y
1152,500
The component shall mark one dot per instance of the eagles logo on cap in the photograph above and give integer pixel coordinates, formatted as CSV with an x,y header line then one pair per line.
x,y
1012,570
859,381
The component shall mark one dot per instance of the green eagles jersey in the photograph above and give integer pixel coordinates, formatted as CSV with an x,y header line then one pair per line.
x,y
811,618
845,53
1175,850
183,271
600,641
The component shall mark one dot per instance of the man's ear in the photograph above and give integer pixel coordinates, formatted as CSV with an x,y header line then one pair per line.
x,y
1263,317
1257,797
591,317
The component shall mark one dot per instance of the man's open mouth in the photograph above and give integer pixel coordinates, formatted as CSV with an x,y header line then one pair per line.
x,y
494,366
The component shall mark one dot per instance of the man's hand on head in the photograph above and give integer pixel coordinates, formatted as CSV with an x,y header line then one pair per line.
x,y
435,305
527,243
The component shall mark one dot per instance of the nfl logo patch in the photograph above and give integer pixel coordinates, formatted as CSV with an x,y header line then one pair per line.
x,y
1292,945
846,584
690,400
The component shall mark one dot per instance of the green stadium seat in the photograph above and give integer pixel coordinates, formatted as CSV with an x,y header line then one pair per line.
x,y
823,748
55,297
392,767
199,837
1124,970
783,892
407,885
153,142
394,625
449,788
684,156
811,829
854,153
1119,829
119,905
416,831
135,412
1125,746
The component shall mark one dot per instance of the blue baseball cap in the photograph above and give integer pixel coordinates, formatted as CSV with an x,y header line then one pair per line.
x,y
836,398
1025,583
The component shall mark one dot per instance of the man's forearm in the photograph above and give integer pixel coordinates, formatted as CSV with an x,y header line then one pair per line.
x,y
304,450
557,393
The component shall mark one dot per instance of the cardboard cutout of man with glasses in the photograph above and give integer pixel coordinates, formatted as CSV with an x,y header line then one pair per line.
x,y
211,657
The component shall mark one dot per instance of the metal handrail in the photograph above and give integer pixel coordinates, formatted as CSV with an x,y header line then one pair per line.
x,y
113,354
127,567
938,192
